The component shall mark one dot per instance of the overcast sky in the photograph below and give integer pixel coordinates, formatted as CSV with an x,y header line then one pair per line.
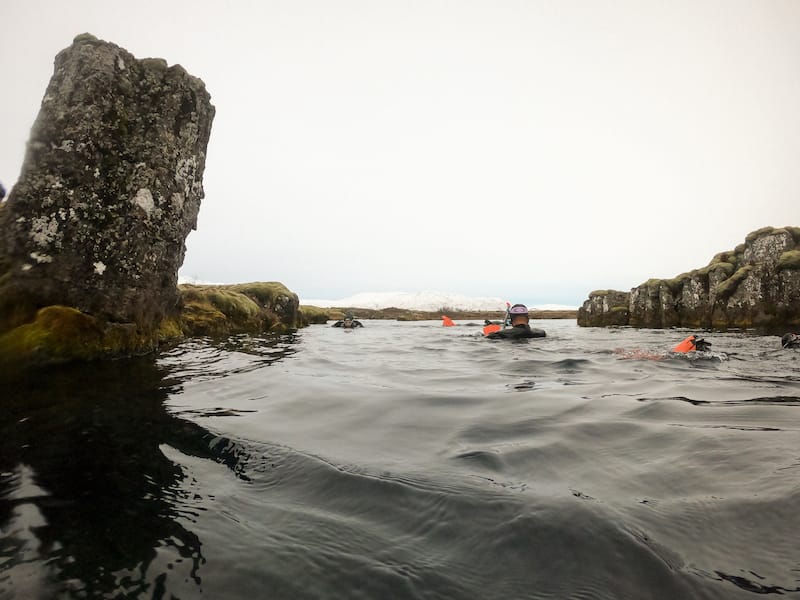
x,y
527,150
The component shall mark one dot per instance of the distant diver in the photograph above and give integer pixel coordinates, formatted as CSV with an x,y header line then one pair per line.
x,y
348,322
520,328
692,343
790,340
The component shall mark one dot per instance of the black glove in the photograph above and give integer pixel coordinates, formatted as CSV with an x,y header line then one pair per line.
x,y
702,345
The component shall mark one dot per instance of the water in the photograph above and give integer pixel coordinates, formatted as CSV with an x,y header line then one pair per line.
x,y
408,460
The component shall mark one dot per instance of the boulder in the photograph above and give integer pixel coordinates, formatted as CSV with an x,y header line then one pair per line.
x,y
216,310
604,308
110,187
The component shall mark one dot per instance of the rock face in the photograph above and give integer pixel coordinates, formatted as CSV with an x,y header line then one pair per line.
x,y
756,285
110,188
604,308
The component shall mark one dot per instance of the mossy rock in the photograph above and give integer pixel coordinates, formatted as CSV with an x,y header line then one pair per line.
x,y
726,267
724,259
215,311
675,285
62,333
602,293
789,260
169,331
758,233
652,284
266,293
728,287
202,318
795,233
234,305
240,308
720,257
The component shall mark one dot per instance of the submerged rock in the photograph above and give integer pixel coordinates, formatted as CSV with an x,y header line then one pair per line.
x,y
110,188
756,285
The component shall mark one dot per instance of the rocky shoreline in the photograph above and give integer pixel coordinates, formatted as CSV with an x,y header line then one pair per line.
x,y
754,286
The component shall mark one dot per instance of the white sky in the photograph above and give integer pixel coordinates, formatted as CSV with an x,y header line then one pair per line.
x,y
529,150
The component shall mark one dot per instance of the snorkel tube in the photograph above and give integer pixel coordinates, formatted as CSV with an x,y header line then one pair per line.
x,y
492,327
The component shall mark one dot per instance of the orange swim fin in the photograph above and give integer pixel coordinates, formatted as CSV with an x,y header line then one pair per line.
x,y
447,321
491,329
686,345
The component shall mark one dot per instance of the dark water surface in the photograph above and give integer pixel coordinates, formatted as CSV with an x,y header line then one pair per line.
x,y
407,460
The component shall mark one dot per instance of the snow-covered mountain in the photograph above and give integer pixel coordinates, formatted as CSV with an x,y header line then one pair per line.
x,y
428,301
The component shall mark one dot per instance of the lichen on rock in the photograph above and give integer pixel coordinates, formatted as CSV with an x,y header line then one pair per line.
x,y
92,222
91,236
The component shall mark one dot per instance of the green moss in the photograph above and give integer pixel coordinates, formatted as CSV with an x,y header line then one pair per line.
x,y
789,260
729,257
56,331
758,233
619,309
169,330
725,267
602,293
652,284
84,37
265,292
233,304
795,233
62,333
675,285
220,310
200,318
727,288
720,257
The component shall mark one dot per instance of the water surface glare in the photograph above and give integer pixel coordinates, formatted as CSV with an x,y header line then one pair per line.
x,y
408,460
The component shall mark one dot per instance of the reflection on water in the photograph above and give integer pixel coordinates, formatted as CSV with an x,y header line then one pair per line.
x,y
89,503
407,460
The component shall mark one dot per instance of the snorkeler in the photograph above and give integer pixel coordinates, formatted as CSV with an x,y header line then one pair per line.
x,y
790,340
520,327
692,343
348,322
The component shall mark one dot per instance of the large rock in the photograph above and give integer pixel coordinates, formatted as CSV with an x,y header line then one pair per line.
x,y
604,308
110,188
216,310
755,285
